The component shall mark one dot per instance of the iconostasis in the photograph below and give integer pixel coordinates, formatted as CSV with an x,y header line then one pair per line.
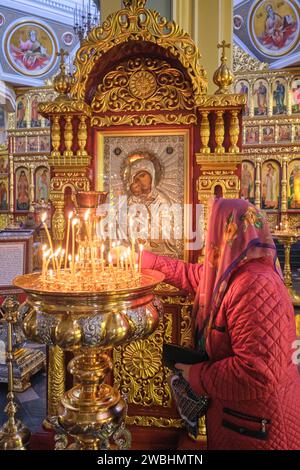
x,y
24,169
271,139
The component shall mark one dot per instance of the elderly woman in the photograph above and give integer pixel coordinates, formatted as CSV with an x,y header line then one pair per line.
x,y
244,320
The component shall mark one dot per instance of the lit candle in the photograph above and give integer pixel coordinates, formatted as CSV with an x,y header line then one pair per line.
x,y
68,237
56,261
45,264
102,256
74,223
141,248
44,218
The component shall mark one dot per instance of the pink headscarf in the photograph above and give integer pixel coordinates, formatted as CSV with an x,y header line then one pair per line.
x,y
237,233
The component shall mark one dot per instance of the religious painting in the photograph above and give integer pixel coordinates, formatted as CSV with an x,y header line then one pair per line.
x,y
148,170
242,87
20,144
68,38
294,185
297,133
268,135
279,93
295,96
30,48
4,168
42,184
44,143
248,181
270,185
21,104
274,26
35,118
22,189
261,97
4,194
252,135
32,144
284,133
238,22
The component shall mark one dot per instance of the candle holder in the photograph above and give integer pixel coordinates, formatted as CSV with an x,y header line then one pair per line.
x,y
91,323
287,238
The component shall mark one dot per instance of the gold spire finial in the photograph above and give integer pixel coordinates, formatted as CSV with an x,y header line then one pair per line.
x,y
62,81
223,77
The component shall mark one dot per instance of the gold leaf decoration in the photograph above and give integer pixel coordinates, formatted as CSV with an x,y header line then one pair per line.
x,y
143,84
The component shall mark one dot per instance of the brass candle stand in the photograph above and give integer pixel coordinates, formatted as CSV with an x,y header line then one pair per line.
x,y
90,324
13,434
287,238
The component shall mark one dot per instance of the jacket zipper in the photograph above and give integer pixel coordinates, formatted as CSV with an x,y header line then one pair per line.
x,y
256,419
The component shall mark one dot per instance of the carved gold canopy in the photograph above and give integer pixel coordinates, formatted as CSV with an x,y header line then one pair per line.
x,y
135,26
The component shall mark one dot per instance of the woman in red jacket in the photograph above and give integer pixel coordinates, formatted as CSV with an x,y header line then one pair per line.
x,y
245,321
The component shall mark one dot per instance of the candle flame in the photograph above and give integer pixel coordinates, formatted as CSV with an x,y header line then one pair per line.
x,y
70,216
141,247
109,258
44,248
102,248
87,215
44,217
74,222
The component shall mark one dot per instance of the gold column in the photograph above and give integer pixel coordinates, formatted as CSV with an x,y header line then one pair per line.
x,y
234,132
11,183
183,11
82,137
258,183
68,136
219,132
284,195
289,99
205,132
55,136
58,219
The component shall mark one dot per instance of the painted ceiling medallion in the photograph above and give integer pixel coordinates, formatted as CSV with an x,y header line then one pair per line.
x,y
30,48
274,26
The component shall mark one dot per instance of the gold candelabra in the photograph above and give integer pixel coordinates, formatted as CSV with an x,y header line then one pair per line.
x,y
89,307
13,434
287,237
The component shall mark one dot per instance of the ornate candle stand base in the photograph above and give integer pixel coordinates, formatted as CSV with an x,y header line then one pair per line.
x,y
90,324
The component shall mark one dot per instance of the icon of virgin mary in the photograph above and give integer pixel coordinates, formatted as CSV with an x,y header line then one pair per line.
x,y
143,175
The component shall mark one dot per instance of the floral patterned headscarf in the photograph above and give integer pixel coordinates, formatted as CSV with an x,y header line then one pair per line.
x,y
237,233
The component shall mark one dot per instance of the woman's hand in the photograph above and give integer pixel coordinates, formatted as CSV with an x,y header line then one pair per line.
x,y
185,368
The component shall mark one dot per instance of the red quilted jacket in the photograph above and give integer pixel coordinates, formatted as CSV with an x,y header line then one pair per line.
x,y
253,385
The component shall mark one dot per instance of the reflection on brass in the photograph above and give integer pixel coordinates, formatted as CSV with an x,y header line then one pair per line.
x,y
56,379
90,324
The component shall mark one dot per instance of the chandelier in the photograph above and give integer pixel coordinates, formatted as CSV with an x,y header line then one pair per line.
x,y
86,17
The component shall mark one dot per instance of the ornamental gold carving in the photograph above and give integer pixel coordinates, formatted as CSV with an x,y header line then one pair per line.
x,y
144,84
144,120
56,379
205,132
152,421
243,62
221,101
136,23
138,371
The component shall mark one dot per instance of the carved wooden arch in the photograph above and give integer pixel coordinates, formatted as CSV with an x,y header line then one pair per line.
x,y
135,23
